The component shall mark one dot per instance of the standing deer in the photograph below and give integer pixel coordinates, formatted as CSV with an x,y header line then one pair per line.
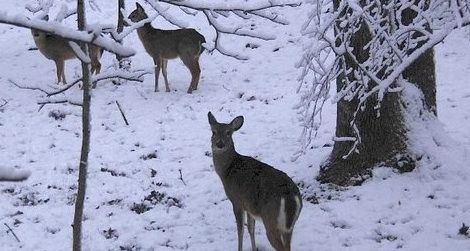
x,y
256,190
58,49
163,45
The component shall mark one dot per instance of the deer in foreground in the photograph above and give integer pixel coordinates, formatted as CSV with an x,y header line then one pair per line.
x,y
163,45
58,50
256,190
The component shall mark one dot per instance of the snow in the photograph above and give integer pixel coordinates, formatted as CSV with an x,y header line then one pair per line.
x,y
161,161
10,174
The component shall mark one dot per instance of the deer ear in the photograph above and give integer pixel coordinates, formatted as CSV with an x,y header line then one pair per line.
x,y
237,123
211,118
138,6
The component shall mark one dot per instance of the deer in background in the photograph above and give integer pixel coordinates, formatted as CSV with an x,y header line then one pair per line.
x,y
256,190
163,45
58,50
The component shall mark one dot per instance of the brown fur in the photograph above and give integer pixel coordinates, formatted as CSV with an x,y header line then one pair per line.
x,y
163,45
255,189
58,50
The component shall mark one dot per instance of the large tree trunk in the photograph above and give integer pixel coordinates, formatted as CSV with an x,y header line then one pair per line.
x,y
383,138
83,166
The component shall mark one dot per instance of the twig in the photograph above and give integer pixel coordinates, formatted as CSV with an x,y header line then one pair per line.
x,y
26,87
5,102
181,177
122,113
65,88
63,101
13,232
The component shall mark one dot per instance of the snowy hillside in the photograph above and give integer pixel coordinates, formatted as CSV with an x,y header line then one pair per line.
x,y
152,185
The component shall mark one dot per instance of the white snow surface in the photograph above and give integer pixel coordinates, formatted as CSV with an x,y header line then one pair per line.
x,y
166,149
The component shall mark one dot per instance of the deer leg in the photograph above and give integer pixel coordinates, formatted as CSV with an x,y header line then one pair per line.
x,y
239,217
95,56
95,66
198,73
157,62
59,64
251,229
193,65
164,65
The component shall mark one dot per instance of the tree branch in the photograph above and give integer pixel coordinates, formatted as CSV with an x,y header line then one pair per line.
x,y
67,33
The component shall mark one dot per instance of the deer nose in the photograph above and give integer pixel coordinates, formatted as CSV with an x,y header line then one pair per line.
x,y
220,144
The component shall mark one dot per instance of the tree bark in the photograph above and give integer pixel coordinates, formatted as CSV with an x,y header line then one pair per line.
x,y
120,27
83,166
383,138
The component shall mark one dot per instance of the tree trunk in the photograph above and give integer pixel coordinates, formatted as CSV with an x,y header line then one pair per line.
x,y
383,138
120,27
83,166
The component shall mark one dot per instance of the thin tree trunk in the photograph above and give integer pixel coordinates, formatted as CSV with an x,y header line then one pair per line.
x,y
82,174
384,140
120,27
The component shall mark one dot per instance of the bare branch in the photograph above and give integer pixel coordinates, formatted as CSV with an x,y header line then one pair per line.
x,y
34,88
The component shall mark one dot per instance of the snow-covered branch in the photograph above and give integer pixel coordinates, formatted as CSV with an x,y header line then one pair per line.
x,y
92,37
217,13
393,45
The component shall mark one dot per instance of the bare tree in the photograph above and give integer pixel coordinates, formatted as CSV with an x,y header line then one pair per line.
x,y
83,166
120,28
371,49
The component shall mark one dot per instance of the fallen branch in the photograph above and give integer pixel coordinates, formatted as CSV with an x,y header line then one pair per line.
x,y
12,232
122,113
181,176
60,101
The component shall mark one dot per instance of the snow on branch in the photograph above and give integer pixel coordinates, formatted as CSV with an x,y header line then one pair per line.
x,y
395,43
92,37
216,13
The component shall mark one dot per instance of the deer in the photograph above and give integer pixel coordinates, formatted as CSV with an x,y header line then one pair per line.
x,y
58,49
256,190
163,45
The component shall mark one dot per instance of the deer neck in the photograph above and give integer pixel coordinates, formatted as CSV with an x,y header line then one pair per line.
x,y
145,30
223,160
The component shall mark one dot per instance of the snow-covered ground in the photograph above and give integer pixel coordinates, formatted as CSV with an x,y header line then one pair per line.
x,y
152,185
